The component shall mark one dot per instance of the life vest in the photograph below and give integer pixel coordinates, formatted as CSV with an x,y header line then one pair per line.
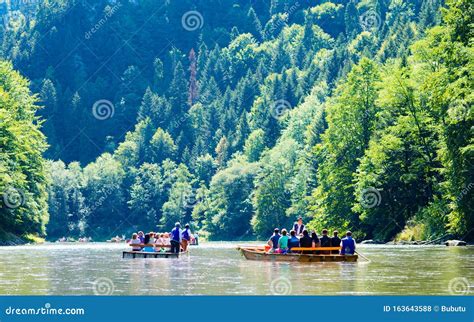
x,y
348,246
175,234
186,234
300,230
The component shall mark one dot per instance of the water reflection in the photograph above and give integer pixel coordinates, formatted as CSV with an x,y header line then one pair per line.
x,y
217,268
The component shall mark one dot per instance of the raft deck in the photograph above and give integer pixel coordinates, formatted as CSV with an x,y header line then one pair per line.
x,y
140,254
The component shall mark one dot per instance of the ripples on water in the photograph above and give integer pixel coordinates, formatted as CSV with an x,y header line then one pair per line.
x,y
218,269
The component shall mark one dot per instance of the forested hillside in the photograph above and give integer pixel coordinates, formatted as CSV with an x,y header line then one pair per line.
x,y
238,116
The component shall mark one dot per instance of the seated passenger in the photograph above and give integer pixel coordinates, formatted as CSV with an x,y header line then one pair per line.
x,y
283,242
348,245
141,236
159,242
335,241
152,238
315,239
293,241
135,241
325,241
146,241
306,241
273,241
166,239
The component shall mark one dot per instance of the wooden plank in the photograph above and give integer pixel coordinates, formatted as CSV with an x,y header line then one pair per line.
x,y
149,245
315,248
136,254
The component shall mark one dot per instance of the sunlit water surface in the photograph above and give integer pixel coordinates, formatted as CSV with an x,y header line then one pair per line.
x,y
218,269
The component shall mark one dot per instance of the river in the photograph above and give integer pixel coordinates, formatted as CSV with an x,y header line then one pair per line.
x,y
219,269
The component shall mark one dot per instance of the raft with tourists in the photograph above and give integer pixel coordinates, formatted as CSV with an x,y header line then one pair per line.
x,y
160,245
298,254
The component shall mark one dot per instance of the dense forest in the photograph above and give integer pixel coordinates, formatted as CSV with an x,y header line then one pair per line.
x,y
237,117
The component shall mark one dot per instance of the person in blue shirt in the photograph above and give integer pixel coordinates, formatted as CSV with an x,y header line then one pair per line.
x,y
147,241
273,241
175,238
186,237
348,245
294,241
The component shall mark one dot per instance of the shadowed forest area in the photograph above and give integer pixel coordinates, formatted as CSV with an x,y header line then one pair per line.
x,y
237,116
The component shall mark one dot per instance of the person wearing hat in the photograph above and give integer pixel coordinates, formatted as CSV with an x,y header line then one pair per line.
x,y
176,237
299,227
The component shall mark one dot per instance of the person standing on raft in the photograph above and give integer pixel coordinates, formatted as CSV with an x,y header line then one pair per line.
x,y
176,237
348,245
186,237
299,227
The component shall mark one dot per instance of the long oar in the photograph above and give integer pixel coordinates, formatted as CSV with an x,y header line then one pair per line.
x,y
361,255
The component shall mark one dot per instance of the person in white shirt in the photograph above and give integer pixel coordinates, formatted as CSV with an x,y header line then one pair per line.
x,y
135,241
299,227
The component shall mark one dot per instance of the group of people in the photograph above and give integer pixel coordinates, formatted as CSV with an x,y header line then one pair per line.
x,y
177,240
282,243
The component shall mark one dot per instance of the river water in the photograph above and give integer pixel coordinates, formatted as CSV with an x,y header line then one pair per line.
x,y
219,269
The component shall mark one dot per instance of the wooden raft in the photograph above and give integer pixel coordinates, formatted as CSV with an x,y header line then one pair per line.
x,y
258,253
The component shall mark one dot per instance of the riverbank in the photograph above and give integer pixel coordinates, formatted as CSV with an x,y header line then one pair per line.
x,y
10,239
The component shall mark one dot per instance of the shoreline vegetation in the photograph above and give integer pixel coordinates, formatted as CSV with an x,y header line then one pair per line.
x,y
355,115
9,239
